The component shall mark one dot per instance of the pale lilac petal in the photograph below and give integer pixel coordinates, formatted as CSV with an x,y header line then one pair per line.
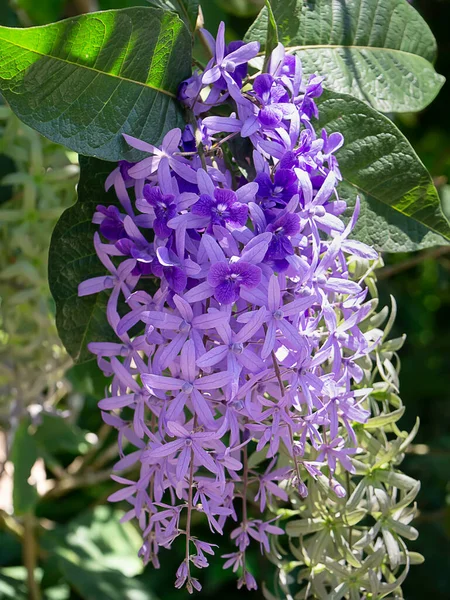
x,y
139,144
171,140
172,350
213,382
201,408
269,342
123,494
253,325
166,449
184,171
162,320
244,53
210,320
211,75
95,285
274,294
183,463
250,361
124,375
298,306
184,308
187,361
213,357
200,292
204,458
145,167
160,382
222,124
116,402
342,286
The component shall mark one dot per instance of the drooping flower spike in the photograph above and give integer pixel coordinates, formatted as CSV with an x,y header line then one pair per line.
x,y
252,341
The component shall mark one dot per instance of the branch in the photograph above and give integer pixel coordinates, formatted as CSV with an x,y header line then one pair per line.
x,y
412,262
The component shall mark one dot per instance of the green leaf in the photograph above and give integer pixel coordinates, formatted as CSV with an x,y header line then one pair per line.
x,y
23,456
272,34
72,259
187,9
55,435
380,51
99,537
84,81
400,207
98,556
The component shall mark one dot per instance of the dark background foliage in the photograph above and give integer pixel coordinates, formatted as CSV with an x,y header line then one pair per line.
x,y
85,554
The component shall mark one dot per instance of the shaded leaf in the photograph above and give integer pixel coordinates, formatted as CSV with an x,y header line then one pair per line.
x,y
98,556
84,81
99,537
400,210
380,51
92,582
72,259
55,435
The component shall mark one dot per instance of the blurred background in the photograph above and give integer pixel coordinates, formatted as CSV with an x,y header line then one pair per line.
x,y
55,453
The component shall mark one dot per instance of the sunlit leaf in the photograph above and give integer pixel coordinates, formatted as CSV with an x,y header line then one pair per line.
x,y
84,81
380,51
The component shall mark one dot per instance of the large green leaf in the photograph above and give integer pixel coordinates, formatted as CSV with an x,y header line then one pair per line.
x,y
72,259
187,9
84,81
380,51
401,210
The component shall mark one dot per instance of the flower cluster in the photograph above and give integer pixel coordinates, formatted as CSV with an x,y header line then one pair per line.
x,y
253,341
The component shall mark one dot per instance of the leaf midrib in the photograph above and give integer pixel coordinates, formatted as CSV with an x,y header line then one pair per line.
x,y
290,49
81,66
391,206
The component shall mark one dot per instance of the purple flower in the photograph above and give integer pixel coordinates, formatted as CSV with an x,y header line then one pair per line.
x,y
111,222
283,228
222,64
283,187
164,207
228,279
222,209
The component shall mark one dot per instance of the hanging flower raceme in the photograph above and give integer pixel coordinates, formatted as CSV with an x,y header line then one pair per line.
x,y
252,341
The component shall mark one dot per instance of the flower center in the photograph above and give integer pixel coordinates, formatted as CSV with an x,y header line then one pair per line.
x,y
229,67
278,314
318,211
221,209
185,327
187,387
237,348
